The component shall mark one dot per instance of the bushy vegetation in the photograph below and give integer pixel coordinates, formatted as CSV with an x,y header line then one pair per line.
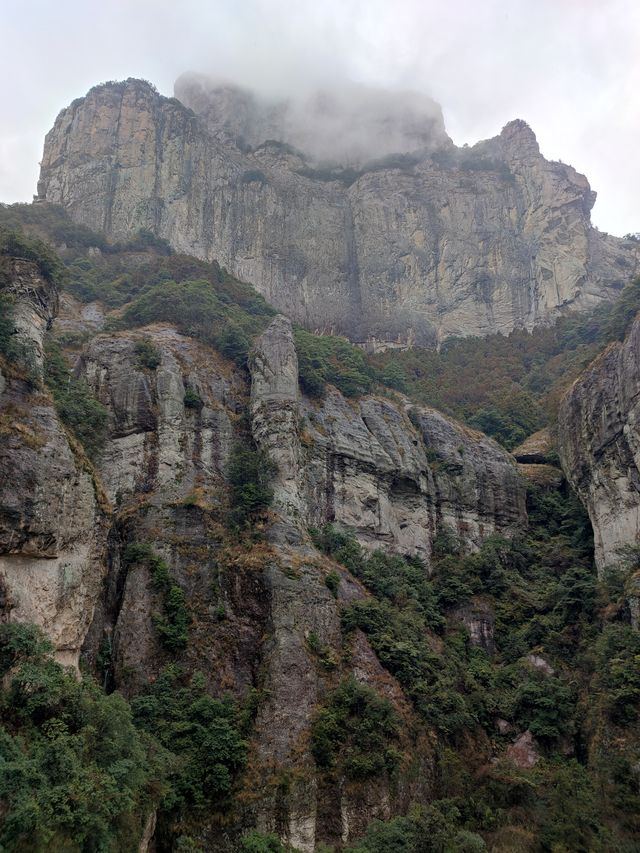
x,y
147,354
249,473
204,735
192,399
356,729
52,223
198,309
508,386
75,403
173,623
429,829
81,770
75,772
325,359
200,298
542,593
15,244
261,842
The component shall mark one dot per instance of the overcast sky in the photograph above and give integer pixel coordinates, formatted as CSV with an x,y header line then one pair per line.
x,y
571,68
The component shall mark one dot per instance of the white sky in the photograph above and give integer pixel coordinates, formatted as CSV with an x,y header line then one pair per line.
x,y
571,68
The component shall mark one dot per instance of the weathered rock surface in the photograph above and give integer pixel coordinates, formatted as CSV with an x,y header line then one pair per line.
x,y
523,752
416,248
479,620
35,304
52,533
537,449
253,613
163,466
394,473
394,480
538,461
156,439
599,444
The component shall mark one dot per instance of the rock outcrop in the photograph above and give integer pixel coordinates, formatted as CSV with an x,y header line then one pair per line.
x,y
599,444
393,473
434,242
52,532
394,476
260,613
35,305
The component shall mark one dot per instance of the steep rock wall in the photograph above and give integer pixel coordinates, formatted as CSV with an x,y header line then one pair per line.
x,y
394,473
599,444
52,522
364,464
437,243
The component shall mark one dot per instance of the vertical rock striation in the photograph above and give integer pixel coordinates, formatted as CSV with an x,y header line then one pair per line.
x,y
393,473
413,247
52,531
599,444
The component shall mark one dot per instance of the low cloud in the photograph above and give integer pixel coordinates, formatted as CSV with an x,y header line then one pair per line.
x,y
346,125
571,69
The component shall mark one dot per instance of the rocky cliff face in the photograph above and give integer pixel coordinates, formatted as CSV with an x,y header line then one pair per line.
x,y
393,480
438,241
393,475
52,520
599,442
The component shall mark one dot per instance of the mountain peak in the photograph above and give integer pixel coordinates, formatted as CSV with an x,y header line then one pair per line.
x,y
346,126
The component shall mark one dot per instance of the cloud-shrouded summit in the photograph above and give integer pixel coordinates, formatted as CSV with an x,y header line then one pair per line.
x,y
342,126
433,241
570,69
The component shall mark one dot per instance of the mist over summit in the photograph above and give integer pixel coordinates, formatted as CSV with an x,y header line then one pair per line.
x,y
352,212
339,125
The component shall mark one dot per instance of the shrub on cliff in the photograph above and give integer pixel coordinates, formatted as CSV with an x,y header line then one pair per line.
x,y
356,728
323,359
147,354
75,774
249,473
203,311
204,734
17,245
75,403
173,623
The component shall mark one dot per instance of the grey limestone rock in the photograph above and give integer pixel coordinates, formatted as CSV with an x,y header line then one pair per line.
x,y
433,242
395,474
599,445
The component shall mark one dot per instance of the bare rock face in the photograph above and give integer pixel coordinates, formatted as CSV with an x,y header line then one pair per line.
x,y
275,410
160,437
599,444
35,305
394,474
171,427
523,752
537,449
52,533
436,241
479,620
